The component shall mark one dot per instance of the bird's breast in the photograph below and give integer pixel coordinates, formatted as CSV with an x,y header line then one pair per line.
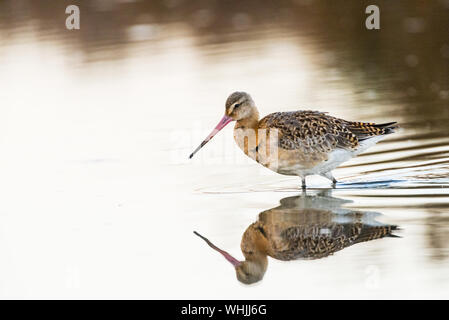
x,y
262,145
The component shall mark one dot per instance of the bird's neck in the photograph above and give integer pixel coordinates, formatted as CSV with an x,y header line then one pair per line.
x,y
260,262
245,134
250,122
255,244
260,258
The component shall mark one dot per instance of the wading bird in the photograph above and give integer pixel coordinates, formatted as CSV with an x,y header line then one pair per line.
x,y
306,227
298,143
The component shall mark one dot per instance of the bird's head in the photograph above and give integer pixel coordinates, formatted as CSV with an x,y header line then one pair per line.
x,y
248,271
251,271
239,106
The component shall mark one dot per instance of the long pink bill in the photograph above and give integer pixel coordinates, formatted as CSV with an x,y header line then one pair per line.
x,y
223,122
228,257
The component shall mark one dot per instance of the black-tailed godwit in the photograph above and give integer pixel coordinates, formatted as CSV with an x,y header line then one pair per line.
x,y
299,143
302,228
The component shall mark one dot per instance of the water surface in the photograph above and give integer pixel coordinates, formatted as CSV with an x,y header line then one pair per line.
x,y
96,125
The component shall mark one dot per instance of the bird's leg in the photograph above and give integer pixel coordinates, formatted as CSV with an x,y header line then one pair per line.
x,y
334,183
331,177
303,185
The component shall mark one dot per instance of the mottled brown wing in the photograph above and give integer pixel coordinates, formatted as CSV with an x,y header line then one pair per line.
x,y
309,242
310,131
366,130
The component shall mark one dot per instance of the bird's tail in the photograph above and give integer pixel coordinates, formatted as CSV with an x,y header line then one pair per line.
x,y
366,130
369,233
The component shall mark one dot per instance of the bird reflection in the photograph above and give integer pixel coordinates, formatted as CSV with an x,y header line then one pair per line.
x,y
302,227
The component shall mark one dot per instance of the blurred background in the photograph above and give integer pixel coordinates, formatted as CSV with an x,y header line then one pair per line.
x,y
96,124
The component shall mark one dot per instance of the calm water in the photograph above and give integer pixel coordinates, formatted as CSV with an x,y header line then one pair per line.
x,y
99,199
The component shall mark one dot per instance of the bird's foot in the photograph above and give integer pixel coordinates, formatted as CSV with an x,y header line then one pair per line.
x,y
334,183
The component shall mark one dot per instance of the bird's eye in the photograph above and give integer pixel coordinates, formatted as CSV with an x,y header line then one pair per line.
x,y
236,105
